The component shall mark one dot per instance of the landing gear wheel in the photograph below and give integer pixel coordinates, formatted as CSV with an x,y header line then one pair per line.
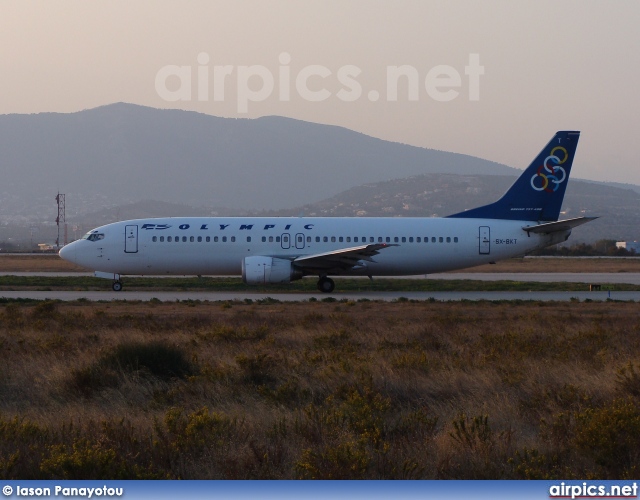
x,y
117,286
326,285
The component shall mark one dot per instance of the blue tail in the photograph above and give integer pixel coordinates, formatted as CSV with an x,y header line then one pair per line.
x,y
537,194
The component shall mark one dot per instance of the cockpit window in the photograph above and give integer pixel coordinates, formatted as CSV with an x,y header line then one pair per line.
x,y
93,236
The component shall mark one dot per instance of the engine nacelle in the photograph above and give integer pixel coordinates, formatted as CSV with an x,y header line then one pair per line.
x,y
261,270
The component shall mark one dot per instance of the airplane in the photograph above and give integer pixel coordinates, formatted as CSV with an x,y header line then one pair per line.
x,y
266,250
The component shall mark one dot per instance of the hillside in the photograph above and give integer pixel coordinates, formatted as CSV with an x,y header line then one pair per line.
x,y
438,195
433,195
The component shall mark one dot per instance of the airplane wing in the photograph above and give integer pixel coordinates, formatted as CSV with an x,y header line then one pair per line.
x,y
340,260
561,225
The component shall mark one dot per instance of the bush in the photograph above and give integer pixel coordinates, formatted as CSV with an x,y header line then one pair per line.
x,y
611,437
155,359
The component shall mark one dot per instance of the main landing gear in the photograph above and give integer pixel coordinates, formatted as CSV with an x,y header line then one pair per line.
x,y
116,286
326,285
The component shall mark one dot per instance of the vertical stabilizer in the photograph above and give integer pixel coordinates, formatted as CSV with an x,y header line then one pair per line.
x,y
538,193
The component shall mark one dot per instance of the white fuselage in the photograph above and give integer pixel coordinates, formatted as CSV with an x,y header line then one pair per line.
x,y
217,246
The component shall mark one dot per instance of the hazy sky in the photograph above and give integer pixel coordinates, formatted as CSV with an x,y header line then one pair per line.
x,y
547,66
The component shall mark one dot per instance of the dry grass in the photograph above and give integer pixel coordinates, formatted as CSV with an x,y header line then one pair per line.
x,y
319,390
559,265
44,263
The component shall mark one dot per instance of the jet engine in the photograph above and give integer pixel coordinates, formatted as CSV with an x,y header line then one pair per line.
x,y
261,270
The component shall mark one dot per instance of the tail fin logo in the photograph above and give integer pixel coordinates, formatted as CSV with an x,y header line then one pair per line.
x,y
549,174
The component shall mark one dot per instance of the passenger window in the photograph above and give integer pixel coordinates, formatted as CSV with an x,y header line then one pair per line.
x,y
455,239
264,239
325,239
448,239
410,239
440,239
161,239
169,239
233,239
208,239
277,239
177,239
184,239
433,239
248,239
418,239
379,239
355,239
270,239
317,239
199,239
215,239
308,239
224,239
371,239
348,239
388,239
154,239
333,239
395,240
192,239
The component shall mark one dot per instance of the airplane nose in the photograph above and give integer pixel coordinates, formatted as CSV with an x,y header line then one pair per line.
x,y
68,253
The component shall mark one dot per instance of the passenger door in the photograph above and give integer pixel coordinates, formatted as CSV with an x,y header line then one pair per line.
x,y
131,239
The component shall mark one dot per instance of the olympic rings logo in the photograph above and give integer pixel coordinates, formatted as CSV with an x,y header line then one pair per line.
x,y
548,174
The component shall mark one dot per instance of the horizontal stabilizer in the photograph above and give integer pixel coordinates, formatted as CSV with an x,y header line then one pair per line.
x,y
561,225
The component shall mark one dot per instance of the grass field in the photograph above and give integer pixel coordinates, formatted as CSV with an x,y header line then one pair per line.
x,y
320,389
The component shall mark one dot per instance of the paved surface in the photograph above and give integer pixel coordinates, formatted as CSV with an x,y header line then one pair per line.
x,y
388,296
630,278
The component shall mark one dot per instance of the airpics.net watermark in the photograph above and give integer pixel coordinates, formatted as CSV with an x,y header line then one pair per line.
x,y
257,83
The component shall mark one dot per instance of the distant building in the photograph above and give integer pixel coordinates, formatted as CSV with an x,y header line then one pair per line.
x,y
629,245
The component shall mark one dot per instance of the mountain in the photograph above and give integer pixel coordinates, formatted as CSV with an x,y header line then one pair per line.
x,y
120,153
107,159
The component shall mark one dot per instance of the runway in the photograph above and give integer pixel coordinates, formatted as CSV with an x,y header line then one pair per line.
x,y
66,295
628,278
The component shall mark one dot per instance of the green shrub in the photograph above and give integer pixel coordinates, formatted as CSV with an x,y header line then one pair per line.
x,y
611,437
